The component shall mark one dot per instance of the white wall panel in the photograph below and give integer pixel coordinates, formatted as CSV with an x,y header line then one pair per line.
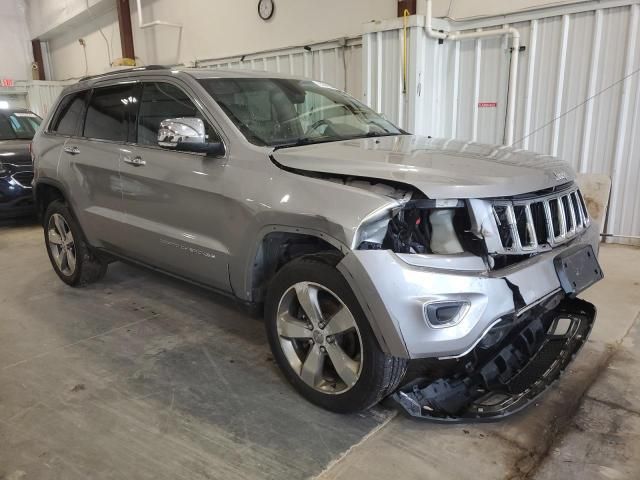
x,y
211,29
15,41
41,95
461,10
36,95
15,98
570,56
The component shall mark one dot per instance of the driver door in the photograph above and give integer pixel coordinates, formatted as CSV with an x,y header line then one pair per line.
x,y
173,205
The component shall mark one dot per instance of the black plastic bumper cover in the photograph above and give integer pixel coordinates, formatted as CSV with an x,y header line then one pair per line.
x,y
512,378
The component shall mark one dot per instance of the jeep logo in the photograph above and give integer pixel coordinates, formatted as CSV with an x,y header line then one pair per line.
x,y
559,174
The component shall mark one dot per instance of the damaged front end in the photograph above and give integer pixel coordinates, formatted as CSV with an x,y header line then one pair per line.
x,y
515,363
483,295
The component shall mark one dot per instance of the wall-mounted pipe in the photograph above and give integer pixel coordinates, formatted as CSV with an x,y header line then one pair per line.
x,y
513,69
141,23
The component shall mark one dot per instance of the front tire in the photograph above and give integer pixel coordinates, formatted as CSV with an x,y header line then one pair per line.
x,y
69,253
322,340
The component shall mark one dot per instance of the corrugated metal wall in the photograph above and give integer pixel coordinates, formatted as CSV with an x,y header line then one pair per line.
x,y
36,95
338,63
42,94
579,67
15,98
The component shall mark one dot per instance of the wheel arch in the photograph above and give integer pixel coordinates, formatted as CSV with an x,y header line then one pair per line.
x,y
276,245
46,191
259,272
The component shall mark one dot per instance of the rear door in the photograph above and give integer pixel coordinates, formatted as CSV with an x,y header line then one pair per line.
x,y
92,162
173,202
65,122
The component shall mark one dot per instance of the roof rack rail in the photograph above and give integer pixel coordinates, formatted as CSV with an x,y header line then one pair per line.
x,y
125,70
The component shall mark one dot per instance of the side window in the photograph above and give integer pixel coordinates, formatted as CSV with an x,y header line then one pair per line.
x,y
110,112
161,101
6,132
69,114
24,124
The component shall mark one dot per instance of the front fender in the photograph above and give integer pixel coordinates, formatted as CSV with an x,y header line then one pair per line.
x,y
384,326
297,204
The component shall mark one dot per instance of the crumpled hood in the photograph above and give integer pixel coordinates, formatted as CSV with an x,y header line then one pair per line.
x,y
439,168
15,152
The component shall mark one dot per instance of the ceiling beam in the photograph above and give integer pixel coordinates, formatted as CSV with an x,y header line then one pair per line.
x,y
37,58
124,25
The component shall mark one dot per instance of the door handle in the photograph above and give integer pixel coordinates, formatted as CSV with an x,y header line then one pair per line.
x,y
135,161
72,150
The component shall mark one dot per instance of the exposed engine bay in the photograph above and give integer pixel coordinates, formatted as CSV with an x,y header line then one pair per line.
x,y
418,225
424,226
502,231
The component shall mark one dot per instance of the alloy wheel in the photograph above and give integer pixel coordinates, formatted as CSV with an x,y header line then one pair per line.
x,y
320,338
61,244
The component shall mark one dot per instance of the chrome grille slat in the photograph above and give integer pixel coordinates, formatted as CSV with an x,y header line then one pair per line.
x,y
513,225
551,234
530,228
522,232
562,221
572,215
583,208
575,204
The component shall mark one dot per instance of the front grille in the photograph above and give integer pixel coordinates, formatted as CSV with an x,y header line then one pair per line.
x,y
539,223
24,179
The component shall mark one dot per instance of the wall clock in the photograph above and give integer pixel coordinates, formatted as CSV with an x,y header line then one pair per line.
x,y
266,9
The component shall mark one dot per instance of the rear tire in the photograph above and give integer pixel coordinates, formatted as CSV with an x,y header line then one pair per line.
x,y
70,255
334,359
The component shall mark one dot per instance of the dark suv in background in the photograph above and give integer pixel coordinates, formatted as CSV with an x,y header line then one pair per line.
x,y
17,128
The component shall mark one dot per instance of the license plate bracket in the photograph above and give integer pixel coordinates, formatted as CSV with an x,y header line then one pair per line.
x,y
577,269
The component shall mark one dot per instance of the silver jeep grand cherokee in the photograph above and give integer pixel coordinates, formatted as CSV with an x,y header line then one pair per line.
x,y
439,273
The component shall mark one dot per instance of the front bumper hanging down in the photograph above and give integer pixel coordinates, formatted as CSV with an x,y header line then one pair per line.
x,y
520,369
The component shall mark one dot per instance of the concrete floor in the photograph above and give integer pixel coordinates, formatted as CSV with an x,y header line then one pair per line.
x,y
141,376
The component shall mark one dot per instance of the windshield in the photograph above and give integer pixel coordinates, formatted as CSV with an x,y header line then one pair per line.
x,y
18,125
282,112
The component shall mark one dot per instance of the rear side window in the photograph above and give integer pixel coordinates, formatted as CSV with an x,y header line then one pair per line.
x,y
161,101
69,114
110,112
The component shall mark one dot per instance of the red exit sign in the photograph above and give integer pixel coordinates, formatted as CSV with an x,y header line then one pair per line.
x,y
487,104
6,82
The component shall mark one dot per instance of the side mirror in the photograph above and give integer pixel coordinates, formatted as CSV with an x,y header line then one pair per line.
x,y
187,134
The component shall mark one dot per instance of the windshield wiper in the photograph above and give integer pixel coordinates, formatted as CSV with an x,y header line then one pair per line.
x,y
310,141
379,125
377,134
305,141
